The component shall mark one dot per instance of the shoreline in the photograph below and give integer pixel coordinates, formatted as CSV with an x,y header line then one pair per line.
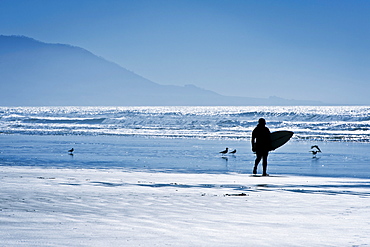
x,y
337,159
137,191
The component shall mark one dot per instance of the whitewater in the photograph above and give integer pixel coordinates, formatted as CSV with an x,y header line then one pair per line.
x,y
153,176
331,123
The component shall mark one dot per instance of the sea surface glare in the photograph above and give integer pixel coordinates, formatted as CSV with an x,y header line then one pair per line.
x,y
186,139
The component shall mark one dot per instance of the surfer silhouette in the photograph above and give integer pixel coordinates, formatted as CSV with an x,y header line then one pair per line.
x,y
261,145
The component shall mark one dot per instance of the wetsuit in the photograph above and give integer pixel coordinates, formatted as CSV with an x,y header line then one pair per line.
x,y
261,144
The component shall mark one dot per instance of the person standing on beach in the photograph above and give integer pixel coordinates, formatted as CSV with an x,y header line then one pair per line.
x,y
261,145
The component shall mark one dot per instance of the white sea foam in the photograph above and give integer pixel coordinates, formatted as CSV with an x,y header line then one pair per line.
x,y
338,123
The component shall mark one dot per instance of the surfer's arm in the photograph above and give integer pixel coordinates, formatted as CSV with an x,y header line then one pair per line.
x,y
253,142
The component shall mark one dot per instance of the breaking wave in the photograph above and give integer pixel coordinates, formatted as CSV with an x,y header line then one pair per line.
x,y
331,123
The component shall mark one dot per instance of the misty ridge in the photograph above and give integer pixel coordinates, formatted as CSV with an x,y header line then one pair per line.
x,y
34,73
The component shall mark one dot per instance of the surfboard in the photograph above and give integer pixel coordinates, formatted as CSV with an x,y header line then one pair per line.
x,y
279,138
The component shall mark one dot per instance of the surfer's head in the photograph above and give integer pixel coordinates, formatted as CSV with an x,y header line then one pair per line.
x,y
262,121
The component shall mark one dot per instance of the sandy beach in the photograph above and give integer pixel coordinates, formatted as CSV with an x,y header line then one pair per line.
x,y
137,191
113,207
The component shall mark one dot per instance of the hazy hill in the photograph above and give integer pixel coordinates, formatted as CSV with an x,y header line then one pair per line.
x,y
35,73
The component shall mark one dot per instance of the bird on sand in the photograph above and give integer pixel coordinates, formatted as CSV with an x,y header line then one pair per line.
x,y
232,152
225,151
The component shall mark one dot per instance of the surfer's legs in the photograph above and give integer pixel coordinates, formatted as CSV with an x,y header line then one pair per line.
x,y
264,164
261,156
256,162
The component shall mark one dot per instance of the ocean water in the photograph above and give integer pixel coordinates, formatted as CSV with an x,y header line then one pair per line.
x,y
186,139
332,123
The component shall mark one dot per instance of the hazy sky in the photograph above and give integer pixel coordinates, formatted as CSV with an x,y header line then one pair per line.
x,y
302,49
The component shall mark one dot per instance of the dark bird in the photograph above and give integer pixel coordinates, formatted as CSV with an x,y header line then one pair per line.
x,y
225,151
71,150
317,147
232,152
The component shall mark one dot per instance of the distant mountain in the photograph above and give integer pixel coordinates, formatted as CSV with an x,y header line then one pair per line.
x,y
33,73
